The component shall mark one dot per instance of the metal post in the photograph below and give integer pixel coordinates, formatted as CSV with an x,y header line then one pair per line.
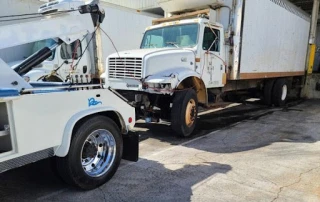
x,y
311,49
313,35
98,52
315,14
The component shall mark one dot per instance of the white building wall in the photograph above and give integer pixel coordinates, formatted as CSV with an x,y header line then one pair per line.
x,y
11,7
16,7
135,4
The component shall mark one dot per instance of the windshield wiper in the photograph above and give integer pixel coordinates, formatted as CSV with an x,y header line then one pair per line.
x,y
173,43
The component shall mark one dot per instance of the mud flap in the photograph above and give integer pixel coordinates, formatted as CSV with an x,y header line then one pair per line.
x,y
318,86
131,146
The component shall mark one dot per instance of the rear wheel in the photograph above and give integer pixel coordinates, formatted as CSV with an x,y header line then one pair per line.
x,y
94,155
184,112
267,92
280,92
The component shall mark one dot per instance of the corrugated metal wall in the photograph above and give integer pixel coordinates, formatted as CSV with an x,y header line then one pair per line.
x,y
15,7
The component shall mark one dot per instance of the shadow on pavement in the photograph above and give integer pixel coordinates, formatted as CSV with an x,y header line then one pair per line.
x,y
150,181
145,181
292,124
205,123
29,182
260,126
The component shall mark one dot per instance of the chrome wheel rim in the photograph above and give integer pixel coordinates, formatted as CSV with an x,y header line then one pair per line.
x,y
284,92
98,153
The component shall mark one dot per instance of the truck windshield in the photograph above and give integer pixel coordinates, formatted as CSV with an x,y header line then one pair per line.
x,y
171,36
41,44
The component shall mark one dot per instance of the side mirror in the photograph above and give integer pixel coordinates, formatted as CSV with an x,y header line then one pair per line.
x,y
102,15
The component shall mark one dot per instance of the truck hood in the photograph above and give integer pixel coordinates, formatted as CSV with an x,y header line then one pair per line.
x,y
140,53
141,63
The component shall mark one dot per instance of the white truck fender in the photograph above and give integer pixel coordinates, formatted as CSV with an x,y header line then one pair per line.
x,y
173,76
158,83
35,74
63,149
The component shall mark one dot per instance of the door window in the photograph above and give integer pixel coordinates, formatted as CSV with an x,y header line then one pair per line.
x,y
71,51
211,39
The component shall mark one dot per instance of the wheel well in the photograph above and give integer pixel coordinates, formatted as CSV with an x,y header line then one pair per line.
x,y
110,114
198,85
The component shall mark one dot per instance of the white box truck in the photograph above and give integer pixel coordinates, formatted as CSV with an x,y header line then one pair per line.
x,y
204,51
77,61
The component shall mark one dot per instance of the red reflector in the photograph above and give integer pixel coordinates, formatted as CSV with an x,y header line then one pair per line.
x,y
130,120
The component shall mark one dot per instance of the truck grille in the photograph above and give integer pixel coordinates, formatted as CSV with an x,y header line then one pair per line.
x,y
130,68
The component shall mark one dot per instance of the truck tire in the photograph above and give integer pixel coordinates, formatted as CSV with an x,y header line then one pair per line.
x,y
94,155
280,92
267,92
184,112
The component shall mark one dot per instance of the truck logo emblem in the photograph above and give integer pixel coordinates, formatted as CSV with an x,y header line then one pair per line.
x,y
132,85
93,102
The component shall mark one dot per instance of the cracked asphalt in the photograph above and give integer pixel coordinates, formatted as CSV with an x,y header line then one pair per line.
x,y
245,153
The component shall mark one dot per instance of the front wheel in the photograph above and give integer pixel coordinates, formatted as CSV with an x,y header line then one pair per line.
x,y
267,92
94,155
184,112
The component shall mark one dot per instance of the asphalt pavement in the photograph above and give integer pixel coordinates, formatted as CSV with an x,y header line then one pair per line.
x,y
245,153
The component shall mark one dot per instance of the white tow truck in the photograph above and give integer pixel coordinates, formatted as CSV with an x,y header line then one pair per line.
x,y
86,128
82,51
206,52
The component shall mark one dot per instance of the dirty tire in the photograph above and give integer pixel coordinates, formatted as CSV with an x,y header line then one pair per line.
x,y
267,92
280,92
70,167
179,114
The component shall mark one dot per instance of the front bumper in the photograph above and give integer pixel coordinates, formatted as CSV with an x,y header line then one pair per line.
x,y
152,87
